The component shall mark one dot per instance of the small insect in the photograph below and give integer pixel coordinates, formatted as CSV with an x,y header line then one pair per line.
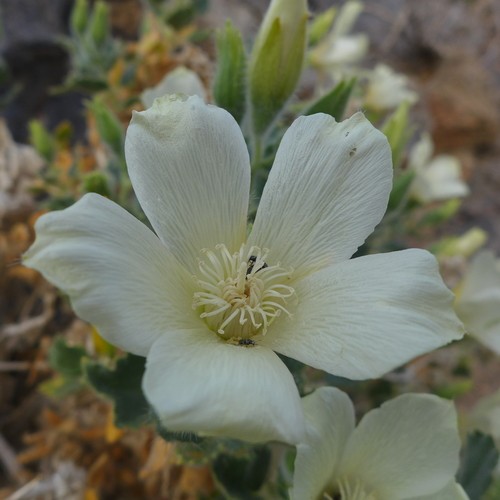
x,y
246,342
251,263
352,151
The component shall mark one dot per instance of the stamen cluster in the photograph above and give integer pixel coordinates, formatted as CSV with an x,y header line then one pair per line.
x,y
240,294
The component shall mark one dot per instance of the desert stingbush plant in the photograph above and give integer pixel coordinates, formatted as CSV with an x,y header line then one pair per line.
x,y
218,309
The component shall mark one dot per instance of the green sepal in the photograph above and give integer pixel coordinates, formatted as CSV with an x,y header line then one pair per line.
x,y
400,188
398,131
229,86
479,459
66,360
274,73
243,476
334,102
109,128
123,385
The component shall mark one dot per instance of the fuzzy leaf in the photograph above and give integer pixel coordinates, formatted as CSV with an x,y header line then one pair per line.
x,y
66,360
242,476
478,462
123,385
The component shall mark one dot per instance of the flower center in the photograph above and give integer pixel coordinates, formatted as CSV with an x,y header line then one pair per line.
x,y
240,294
349,490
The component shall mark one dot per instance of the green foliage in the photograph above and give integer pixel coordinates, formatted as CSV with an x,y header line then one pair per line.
x,y
99,24
66,359
442,213
109,128
123,385
229,87
478,462
42,140
96,182
67,362
320,25
242,477
400,188
334,102
93,49
79,17
398,131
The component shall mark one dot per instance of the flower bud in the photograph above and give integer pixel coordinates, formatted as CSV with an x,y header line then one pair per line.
x,y
79,17
99,28
276,60
230,78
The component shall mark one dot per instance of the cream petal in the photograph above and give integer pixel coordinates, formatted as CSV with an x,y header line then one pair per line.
x,y
408,447
190,169
117,273
327,190
366,316
197,382
329,423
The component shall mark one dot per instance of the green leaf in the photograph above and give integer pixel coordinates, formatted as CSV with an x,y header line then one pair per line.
x,y
398,131
59,387
42,140
108,126
478,462
335,101
229,87
442,213
66,360
320,26
123,385
243,476
400,188
79,17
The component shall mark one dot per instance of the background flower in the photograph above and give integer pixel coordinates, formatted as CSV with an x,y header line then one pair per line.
x,y
478,300
406,449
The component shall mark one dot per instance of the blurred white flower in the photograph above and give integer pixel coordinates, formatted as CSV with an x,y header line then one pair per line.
x,y
179,81
387,89
406,449
437,178
478,300
209,306
340,50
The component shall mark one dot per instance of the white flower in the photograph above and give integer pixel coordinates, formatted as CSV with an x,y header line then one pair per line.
x,y
208,305
406,449
387,89
179,81
339,49
437,178
478,300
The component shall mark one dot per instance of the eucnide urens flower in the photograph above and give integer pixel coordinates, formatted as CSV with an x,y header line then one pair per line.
x,y
209,305
406,449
